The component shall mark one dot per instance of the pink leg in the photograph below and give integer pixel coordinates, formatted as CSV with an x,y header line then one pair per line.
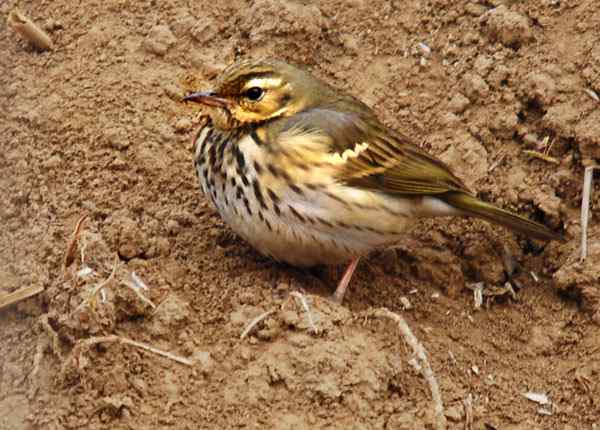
x,y
340,291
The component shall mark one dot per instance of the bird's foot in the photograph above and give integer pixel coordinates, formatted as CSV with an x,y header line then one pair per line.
x,y
342,286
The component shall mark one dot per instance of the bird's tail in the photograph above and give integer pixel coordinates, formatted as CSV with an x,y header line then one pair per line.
x,y
472,206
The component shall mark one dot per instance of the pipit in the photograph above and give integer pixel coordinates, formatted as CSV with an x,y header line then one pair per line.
x,y
308,175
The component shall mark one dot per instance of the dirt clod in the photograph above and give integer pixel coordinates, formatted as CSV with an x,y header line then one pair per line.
x,y
509,27
159,40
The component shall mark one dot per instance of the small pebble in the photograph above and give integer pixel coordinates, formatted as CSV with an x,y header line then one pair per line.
x,y
132,241
405,303
454,413
159,40
290,318
458,104
53,162
173,91
475,86
183,125
204,361
117,137
509,27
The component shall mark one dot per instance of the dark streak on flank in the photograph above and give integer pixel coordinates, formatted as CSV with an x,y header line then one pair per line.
x,y
296,213
300,165
296,189
258,194
309,219
239,157
222,146
274,170
324,222
278,173
245,180
268,224
336,198
274,197
390,211
247,204
295,234
363,207
256,139
258,168
200,158
212,156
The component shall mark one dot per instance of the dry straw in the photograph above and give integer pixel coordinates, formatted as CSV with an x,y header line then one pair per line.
x,y
29,30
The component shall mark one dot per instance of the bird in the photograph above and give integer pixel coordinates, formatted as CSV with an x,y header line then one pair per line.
x,y
308,175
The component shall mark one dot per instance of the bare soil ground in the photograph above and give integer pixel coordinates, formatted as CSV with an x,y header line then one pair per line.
x,y
96,127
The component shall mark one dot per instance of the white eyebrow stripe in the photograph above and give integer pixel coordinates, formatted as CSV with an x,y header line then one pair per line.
x,y
264,83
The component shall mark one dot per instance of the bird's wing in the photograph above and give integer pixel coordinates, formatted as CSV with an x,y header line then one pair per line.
x,y
367,155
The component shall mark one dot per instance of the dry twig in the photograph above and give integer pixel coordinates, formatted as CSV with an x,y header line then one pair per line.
x,y
309,316
87,343
44,323
421,356
468,402
593,94
501,156
478,295
254,322
138,293
20,294
72,247
136,285
541,156
92,298
27,28
585,208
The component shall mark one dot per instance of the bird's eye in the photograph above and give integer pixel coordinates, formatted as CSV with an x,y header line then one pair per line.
x,y
254,94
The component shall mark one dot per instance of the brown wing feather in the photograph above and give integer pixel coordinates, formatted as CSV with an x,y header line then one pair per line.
x,y
389,164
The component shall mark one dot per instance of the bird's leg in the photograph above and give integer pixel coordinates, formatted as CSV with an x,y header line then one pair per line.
x,y
340,291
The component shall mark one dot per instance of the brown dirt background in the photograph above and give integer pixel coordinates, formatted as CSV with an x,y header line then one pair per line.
x,y
96,127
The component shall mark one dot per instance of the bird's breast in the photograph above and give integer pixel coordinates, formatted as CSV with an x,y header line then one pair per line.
x,y
290,210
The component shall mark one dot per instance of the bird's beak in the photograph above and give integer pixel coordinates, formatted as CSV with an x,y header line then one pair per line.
x,y
207,98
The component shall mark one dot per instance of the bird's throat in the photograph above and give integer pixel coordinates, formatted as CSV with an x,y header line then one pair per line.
x,y
222,119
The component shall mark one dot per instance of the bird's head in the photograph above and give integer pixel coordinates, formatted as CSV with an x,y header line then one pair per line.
x,y
254,91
